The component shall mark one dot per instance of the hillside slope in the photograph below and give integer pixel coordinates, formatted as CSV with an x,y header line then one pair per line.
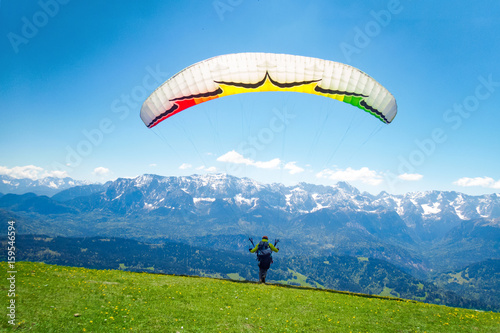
x,y
65,299
362,275
479,281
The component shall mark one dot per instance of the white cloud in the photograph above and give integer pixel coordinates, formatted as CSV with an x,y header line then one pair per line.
x,y
185,166
56,174
153,165
363,175
101,171
236,158
31,172
478,181
292,166
212,169
208,169
271,164
410,176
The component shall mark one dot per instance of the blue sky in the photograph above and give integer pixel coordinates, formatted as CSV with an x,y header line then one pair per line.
x,y
75,74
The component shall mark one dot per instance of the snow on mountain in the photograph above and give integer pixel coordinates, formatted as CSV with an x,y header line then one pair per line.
x,y
45,186
338,216
428,210
198,193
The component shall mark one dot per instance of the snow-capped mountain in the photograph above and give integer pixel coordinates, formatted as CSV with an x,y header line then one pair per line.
x,y
156,192
331,219
197,192
45,186
429,214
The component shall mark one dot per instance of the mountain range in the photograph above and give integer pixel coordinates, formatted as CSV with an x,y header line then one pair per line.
x,y
360,275
44,186
198,193
421,231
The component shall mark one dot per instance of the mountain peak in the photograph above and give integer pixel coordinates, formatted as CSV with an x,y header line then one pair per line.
x,y
44,186
347,187
200,190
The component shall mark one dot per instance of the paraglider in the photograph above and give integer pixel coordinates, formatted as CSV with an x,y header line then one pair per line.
x,y
254,72
264,251
239,73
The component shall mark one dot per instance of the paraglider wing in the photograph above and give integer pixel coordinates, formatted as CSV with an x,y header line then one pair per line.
x,y
252,72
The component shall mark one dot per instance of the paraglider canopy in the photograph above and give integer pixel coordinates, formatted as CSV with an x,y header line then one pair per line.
x,y
253,72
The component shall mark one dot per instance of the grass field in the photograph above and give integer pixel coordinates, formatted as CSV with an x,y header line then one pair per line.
x,y
66,299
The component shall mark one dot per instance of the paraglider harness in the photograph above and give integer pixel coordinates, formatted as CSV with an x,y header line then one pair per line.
x,y
264,252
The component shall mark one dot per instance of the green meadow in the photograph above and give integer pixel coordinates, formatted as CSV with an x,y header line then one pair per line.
x,y
53,298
